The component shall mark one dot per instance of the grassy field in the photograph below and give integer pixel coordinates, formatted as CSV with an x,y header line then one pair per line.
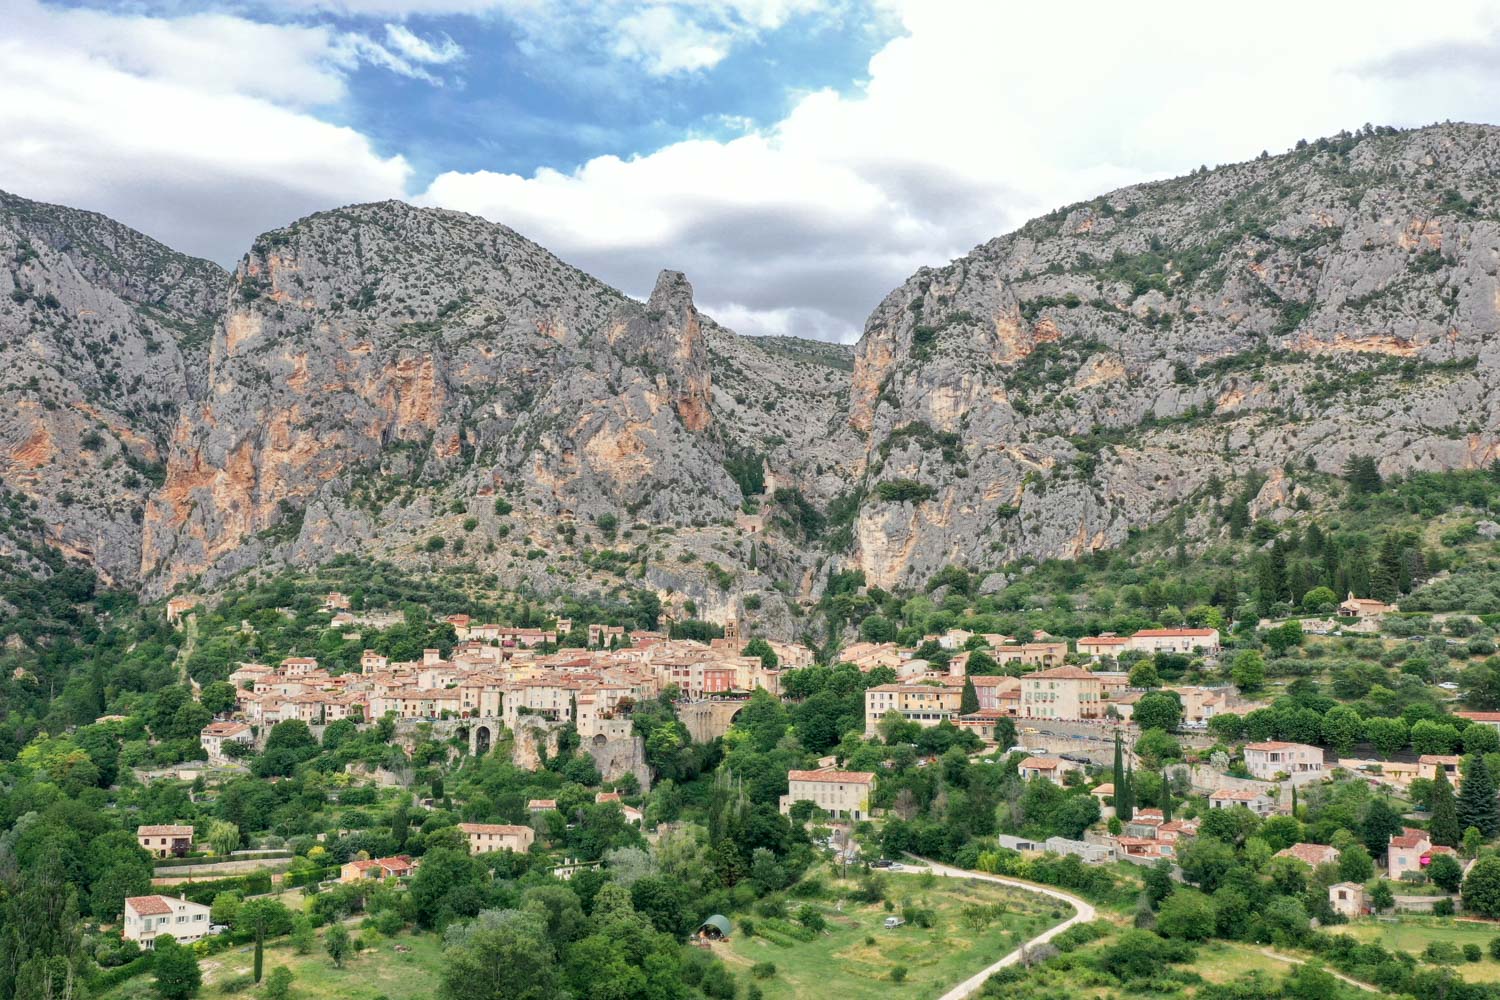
x,y
1412,934
385,970
853,958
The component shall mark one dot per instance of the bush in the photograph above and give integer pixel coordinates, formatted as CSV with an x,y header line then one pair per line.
x,y
237,984
1442,908
898,973
763,970
1472,952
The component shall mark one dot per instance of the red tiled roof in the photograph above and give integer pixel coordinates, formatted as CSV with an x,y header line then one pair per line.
x,y
149,905
846,777
1311,854
1409,838
1061,673
1172,633
504,829
170,830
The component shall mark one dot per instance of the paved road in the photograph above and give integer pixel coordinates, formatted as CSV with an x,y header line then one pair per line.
x,y
1083,912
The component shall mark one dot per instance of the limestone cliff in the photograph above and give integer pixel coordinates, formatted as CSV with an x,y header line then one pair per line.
x,y
426,386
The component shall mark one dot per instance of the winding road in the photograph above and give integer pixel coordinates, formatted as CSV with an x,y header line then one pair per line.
x,y
1083,913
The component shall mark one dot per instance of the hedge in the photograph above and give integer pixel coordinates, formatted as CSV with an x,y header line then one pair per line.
x,y
107,979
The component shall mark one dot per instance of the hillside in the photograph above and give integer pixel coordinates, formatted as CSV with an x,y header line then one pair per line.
x,y
426,387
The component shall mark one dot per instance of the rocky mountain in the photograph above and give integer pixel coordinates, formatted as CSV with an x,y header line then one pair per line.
x,y
430,387
103,340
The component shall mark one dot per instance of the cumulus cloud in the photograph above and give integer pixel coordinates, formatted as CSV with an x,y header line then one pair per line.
x,y
185,129
206,129
977,117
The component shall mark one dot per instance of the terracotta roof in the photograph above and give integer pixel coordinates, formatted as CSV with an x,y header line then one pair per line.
x,y
1172,633
1103,640
1409,838
168,830
152,906
542,804
1061,673
504,829
1479,716
846,777
1440,758
1041,763
1108,788
1312,854
224,729
1277,745
1238,794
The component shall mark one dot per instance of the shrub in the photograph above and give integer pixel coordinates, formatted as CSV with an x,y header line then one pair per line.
x,y
1472,952
763,970
898,973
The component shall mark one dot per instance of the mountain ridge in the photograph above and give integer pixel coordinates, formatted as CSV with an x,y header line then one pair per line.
x,y
378,376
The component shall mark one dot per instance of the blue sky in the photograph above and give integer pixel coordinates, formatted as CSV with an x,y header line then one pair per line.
x,y
796,158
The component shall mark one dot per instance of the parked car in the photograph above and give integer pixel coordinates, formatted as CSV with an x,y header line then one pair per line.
x,y
893,922
880,863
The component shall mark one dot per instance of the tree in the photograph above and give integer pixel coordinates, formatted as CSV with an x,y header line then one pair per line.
x,y
761,648
1446,873
1156,747
1444,828
1158,710
1382,898
1355,864
1249,671
969,703
336,943
1187,915
278,984
1158,881
1379,823
877,628
1388,736
1481,889
1342,728
504,955
222,837
1363,474
1320,600
303,935
1477,803
1144,675
1166,797
176,970
218,697
1428,737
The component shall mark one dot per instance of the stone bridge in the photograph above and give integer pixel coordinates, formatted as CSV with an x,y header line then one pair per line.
x,y
710,718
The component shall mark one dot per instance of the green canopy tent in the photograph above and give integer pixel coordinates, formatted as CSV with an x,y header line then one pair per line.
x,y
715,927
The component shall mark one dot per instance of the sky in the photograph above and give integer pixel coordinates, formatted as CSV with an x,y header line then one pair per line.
x,y
796,158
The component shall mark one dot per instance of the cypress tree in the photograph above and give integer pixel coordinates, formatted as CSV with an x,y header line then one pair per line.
x,y
969,702
1294,801
1444,827
1125,808
1477,803
1166,797
260,939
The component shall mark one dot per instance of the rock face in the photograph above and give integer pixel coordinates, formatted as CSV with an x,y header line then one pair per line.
x,y
372,379
103,337
1101,363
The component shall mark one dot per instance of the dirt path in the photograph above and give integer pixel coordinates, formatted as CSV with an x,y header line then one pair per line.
x,y
1083,913
1294,960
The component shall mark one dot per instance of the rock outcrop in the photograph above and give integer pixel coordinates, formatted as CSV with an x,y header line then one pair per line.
x,y
426,386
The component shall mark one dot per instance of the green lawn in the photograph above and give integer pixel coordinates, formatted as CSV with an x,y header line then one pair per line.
x,y
854,957
380,971
1412,934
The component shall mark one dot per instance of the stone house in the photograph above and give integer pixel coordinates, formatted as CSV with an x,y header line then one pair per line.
x,y
841,794
1269,759
167,841
486,837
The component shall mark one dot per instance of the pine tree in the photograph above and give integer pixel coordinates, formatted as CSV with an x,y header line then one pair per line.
x,y
1478,805
969,703
1444,827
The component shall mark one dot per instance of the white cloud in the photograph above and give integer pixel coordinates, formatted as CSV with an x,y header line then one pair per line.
x,y
164,126
418,49
977,117
666,42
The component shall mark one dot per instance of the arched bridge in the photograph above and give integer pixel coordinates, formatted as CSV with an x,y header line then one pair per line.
x,y
709,718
